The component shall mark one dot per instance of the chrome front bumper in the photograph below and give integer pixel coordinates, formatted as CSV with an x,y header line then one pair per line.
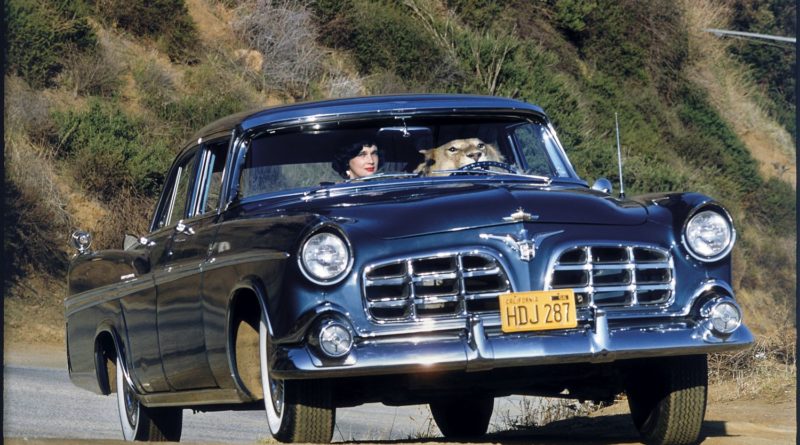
x,y
471,349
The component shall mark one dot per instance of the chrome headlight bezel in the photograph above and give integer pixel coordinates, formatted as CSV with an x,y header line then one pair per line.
x,y
726,217
306,269
711,311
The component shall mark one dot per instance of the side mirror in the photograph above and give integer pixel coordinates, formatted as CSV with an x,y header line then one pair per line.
x,y
81,240
129,242
603,185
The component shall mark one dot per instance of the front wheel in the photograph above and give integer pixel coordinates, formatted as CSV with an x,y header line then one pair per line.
x,y
141,423
297,410
467,417
667,398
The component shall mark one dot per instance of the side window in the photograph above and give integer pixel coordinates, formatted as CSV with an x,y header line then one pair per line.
x,y
213,166
179,192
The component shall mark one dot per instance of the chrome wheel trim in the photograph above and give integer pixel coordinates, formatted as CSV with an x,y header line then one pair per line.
x,y
128,407
273,389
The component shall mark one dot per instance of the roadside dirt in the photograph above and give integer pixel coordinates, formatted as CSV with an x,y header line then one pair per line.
x,y
767,420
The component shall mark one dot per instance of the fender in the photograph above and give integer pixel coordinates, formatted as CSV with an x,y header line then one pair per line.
x,y
252,284
104,382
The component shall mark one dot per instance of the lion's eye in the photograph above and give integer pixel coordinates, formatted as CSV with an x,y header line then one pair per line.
x,y
481,146
452,149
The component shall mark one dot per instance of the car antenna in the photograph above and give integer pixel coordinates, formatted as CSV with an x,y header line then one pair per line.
x,y
619,159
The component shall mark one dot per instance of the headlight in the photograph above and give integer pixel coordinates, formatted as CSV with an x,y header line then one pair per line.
x,y
709,235
325,258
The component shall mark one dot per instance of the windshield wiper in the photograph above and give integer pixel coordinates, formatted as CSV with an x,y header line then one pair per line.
x,y
537,178
383,176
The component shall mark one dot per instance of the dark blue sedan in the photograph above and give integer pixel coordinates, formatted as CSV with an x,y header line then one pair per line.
x,y
435,249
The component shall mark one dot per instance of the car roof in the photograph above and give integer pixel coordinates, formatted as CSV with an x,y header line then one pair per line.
x,y
379,105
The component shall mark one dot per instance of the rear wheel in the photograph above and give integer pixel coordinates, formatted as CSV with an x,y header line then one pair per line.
x,y
141,423
463,417
667,398
297,410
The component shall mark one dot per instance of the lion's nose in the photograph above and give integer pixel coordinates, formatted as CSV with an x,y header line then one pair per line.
x,y
475,155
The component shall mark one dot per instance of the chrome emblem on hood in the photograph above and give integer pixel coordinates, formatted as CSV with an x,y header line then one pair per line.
x,y
525,247
520,215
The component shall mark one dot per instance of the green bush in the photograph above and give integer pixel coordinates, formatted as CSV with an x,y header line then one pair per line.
x,y
212,91
385,37
776,207
479,14
107,151
710,141
773,66
39,37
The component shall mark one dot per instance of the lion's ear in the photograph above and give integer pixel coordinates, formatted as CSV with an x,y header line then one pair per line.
x,y
430,162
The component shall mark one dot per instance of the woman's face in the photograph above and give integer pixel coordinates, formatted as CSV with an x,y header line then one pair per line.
x,y
364,163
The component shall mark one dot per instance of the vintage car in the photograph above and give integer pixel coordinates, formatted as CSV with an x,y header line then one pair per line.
x,y
472,262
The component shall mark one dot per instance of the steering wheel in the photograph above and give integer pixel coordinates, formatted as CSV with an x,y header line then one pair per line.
x,y
484,165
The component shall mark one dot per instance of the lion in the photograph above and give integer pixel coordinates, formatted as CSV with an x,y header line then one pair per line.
x,y
456,154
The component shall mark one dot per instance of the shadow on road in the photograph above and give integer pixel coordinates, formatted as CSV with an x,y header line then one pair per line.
x,y
599,430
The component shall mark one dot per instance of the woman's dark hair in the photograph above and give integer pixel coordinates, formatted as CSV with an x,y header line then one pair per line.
x,y
341,161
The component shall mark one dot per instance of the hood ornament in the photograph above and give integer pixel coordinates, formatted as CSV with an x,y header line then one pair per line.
x,y
520,215
524,246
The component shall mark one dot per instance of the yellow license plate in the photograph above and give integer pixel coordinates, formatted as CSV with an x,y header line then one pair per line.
x,y
538,310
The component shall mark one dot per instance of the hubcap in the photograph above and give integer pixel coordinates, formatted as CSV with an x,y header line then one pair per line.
x,y
131,405
276,391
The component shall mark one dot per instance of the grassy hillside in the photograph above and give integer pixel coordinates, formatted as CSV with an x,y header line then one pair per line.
x,y
97,103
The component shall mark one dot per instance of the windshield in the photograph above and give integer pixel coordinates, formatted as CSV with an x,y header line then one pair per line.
x,y
399,149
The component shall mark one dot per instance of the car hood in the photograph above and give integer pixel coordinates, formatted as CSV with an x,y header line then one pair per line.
x,y
396,212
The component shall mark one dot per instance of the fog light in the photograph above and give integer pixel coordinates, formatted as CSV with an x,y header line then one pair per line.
x,y
724,316
335,339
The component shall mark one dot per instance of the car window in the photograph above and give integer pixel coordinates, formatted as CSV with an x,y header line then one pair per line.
x,y
310,156
539,149
179,190
214,157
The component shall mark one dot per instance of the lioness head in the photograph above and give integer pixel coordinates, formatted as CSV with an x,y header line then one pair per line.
x,y
456,154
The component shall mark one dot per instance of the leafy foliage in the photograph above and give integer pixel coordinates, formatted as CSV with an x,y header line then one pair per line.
x,y
384,37
107,151
774,65
215,93
39,36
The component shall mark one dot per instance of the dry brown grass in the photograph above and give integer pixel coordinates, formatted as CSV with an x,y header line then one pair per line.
x,y
732,91
765,371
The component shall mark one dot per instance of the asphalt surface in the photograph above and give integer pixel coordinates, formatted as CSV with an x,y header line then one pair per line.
x,y
40,403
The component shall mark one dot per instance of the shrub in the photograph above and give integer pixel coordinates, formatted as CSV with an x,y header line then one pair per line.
x,y
384,37
711,141
212,91
91,73
38,39
775,66
478,14
26,111
166,21
776,206
285,34
34,220
107,153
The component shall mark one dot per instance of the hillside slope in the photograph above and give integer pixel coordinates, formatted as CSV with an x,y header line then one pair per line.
x,y
108,100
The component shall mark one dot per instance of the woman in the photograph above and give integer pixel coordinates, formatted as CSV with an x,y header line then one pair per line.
x,y
357,160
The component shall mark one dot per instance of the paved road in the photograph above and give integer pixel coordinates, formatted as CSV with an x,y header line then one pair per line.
x,y
41,402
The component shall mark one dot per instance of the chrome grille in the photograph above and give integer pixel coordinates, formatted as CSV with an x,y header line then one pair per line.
x,y
615,276
444,285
